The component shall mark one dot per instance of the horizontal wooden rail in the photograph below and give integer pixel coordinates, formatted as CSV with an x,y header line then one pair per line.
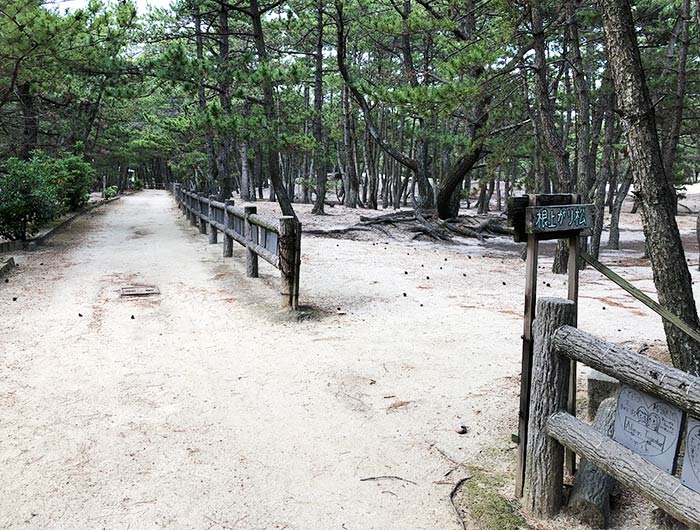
x,y
272,259
264,223
673,385
551,429
661,488
639,295
236,212
282,250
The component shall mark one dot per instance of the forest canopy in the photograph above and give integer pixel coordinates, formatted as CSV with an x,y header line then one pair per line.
x,y
396,102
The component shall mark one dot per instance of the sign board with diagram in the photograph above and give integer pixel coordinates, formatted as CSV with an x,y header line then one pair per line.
x,y
649,427
691,461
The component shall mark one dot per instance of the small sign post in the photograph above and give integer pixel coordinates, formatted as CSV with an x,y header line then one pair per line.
x,y
536,218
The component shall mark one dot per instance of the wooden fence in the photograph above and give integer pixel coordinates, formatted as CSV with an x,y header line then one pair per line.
x,y
278,243
551,428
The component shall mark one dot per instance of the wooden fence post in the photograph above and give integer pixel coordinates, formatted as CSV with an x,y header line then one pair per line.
x,y
287,245
251,258
201,201
544,469
228,240
590,496
213,232
297,267
192,210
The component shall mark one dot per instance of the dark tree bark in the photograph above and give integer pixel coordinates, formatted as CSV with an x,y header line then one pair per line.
x,y
30,119
657,196
212,168
584,167
319,158
552,139
223,164
671,144
603,176
614,237
277,186
351,182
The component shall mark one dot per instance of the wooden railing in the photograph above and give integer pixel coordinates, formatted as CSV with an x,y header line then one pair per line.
x,y
551,428
278,243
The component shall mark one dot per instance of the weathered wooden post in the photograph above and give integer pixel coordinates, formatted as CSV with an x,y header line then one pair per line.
x,y
251,258
192,209
213,232
536,218
590,496
297,267
287,246
228,240
203,212
544,470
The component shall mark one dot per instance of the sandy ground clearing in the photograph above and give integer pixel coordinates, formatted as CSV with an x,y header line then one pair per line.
x,y
211,408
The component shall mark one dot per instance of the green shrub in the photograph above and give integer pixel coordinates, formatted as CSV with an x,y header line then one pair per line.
x,y
74,178
111,192
29,198
138,184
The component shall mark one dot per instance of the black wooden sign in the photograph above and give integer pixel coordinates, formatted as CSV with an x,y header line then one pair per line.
x,y
564,218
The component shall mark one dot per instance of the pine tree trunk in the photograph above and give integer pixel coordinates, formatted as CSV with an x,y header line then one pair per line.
x,y
657,196
320,162
614,237
603,177
276,184
351,182
674,133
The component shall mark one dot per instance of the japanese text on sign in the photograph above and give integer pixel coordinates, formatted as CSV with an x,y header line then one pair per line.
x,y
559,218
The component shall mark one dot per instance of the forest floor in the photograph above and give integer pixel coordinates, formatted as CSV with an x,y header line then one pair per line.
x,y
208,406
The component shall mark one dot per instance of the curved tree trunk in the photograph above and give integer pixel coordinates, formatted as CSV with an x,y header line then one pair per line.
x,y
657,196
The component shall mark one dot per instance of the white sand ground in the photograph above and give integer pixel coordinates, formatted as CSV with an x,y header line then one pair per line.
x,y
212,408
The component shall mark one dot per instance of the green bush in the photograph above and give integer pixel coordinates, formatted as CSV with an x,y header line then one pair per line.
x,y
111,192
74,178
138,184
29,198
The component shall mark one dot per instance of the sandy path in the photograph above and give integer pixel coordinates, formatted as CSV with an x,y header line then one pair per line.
x,y
213,409
210,409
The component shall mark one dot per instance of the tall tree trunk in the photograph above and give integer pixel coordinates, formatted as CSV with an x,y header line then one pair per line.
x,y
320,159
351,183
246,184
619,199
212,169
30,120
603,176
657,196
583,105
552,139
223,164
277,186
674,133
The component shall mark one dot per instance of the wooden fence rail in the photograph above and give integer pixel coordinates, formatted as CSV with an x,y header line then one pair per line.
x,y
551,428
278,243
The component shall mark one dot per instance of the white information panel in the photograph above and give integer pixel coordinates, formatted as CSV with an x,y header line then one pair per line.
x,y
648,426
691,462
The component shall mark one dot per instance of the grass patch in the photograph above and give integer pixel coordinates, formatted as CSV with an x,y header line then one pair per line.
x,y
481,500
